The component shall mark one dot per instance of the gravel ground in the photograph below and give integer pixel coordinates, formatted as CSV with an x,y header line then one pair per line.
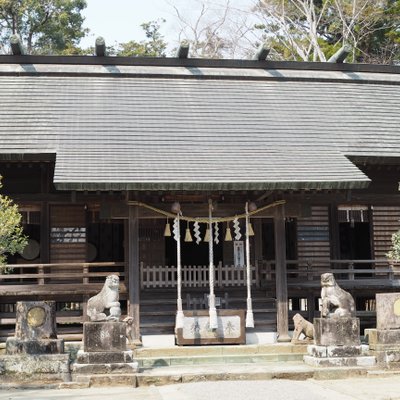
x,y
349,389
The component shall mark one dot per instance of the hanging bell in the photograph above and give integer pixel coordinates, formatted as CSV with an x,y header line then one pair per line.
x,y
251,230
167,230
188,235
228,234
207,235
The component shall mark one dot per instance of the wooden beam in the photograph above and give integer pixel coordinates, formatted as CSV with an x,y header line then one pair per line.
x,y
183,50
262,52
134,271
100,47
281,275
16,45
341,54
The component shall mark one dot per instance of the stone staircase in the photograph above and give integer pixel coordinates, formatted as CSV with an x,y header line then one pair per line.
x,y
149,358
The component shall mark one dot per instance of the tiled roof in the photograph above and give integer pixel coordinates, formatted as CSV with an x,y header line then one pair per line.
x,y
179,128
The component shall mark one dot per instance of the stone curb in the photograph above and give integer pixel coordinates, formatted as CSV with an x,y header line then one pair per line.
x,y
165,378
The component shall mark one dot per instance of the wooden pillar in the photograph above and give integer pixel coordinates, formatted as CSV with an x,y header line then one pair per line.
x,y
134,272
280,275
258,239
44,216
44,234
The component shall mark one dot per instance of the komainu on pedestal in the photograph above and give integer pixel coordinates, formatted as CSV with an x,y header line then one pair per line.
x,y
107,298
337,332
303,330
105,357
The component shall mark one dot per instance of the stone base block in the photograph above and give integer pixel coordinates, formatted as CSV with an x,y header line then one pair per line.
x,y
387,358
113,380
112,368
378,337
104,336
388,310
44,346
334,351
104,357
35,320
361,361
23,366
337,331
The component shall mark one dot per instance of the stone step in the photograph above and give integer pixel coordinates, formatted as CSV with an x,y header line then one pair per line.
x,y
149,362
98,369
191,351
258,371
104,380
103,357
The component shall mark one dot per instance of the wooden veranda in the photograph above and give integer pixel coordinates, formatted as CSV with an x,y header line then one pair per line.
x,y
72,289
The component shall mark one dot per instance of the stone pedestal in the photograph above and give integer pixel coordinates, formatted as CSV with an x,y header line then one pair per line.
x,y
104,336
387,310
104,356
35,329
384,342
337,344
44,346
339,331
35,350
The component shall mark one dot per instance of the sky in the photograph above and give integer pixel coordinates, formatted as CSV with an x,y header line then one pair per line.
x,y
119,20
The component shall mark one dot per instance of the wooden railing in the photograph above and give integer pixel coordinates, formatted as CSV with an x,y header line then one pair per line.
x,y
58,278
357,271
72,276
194,276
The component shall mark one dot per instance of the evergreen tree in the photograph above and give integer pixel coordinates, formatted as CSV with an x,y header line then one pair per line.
x,y
12,239
44,26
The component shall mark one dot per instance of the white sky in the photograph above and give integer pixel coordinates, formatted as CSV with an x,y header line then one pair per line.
x,y
119,20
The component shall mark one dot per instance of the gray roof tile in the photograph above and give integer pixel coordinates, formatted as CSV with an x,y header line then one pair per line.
x,y
136,132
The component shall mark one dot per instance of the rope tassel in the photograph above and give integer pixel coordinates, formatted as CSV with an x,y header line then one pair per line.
x,y
228,234
188,235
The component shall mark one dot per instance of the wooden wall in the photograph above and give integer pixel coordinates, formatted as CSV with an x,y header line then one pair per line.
x,y
67,233
386,221
313,235
152,241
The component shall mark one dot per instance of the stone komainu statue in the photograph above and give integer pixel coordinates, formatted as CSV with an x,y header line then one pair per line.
x,y
302,326
336,302
107,298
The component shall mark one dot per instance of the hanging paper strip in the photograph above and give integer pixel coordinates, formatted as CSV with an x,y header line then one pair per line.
x,y
216,233
175,229
236,228
196,230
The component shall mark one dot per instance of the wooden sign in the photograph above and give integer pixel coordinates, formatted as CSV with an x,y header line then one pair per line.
x,y
68,235
196,329
238,253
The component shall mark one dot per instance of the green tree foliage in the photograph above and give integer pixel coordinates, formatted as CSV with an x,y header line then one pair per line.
x,y
312,30
153,46
12,239
45,26
394,253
